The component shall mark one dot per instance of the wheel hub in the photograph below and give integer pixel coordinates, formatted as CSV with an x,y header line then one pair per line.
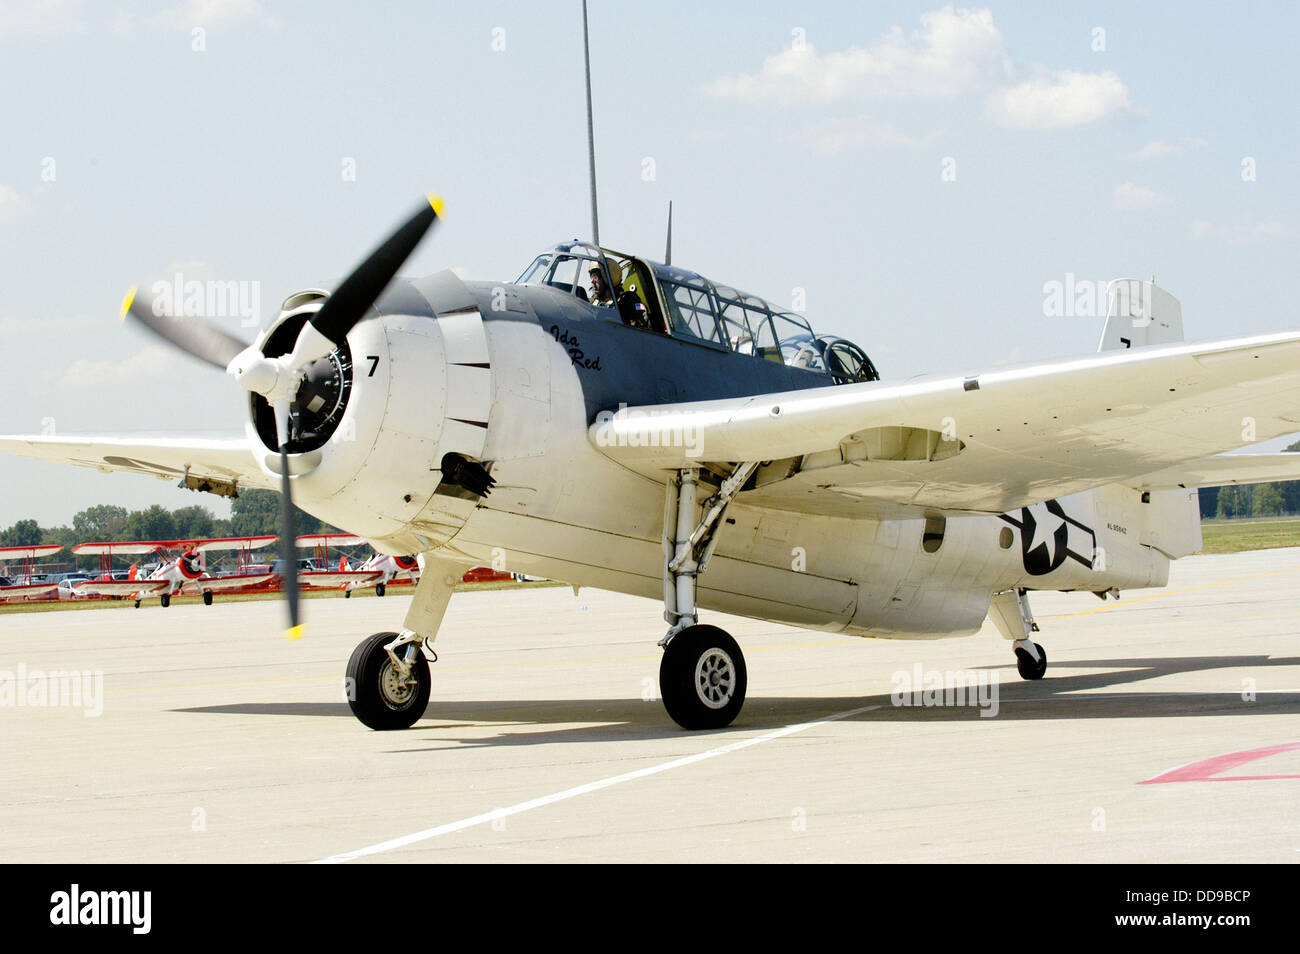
x,y
396,691
715,678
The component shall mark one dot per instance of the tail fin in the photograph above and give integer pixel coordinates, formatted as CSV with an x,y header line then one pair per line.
x,y
1138,313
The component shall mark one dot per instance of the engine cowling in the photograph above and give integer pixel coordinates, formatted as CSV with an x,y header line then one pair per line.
x,y
377,417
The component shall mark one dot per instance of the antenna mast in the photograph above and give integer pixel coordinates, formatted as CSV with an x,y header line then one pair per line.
x,y
591,135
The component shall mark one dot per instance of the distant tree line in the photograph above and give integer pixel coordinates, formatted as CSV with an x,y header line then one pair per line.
x,y
1252,500
252,513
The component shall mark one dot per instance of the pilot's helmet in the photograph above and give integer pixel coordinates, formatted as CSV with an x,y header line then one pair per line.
x,y
614,275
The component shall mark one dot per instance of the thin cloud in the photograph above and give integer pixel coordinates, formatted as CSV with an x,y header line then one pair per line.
x,y
10,203
954,53
953,50
1158,148
1129,196
1241,234
1061,98
210,13
838,135
39,17
155,364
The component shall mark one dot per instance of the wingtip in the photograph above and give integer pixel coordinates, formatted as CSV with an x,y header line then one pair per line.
x,y
435,203
295,632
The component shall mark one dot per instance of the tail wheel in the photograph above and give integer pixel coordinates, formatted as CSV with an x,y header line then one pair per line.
x,y
207,597
1029,667
377,693
702,678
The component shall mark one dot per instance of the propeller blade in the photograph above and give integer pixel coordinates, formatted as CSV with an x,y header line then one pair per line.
x,y
288,549
288,524
353,298
194,336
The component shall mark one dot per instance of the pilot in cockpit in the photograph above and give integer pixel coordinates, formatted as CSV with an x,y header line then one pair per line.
x,y
600,291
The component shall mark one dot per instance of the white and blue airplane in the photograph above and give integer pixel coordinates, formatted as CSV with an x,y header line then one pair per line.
x,y
618,423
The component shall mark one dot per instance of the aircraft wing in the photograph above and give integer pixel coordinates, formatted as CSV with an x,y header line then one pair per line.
x,y
988,442
219,583
24,590
223,463
123,587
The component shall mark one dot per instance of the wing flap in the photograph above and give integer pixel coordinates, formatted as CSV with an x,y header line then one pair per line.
x,y
1224,469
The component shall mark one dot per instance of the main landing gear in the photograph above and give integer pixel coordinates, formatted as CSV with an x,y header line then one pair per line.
x,y
388,678
1015,621
165,600
207,597
702,677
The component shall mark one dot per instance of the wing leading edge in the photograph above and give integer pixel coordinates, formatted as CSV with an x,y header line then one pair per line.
x,y
221,464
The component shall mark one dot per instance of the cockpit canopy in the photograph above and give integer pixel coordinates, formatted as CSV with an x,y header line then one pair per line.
x,y
668,300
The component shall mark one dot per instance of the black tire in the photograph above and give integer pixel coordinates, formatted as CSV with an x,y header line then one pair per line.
x,y
207,597
379,589
1029,669
166,600
368,672
702,678
137,604
347,594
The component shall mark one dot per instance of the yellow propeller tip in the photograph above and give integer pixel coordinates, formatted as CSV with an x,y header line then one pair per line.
x,y
128,301
295,632
435,201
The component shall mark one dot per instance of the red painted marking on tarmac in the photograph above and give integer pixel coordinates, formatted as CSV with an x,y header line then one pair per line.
x,y
1207,770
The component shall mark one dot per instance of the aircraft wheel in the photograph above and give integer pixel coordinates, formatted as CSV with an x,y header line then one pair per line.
x,y
379,589
137,604
702,678
207,597
376,694
1029,668
166,600
347,594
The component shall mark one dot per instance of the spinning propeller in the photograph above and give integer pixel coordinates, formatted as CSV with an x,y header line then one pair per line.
x,y
279,379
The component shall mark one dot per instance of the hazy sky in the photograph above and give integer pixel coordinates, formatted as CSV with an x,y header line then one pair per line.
x,y
920,172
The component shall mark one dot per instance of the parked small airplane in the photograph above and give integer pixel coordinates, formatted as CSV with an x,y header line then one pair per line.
x,y
377,571
185,571
22,585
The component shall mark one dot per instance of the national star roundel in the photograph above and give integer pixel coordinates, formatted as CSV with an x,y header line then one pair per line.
x,y
1048,535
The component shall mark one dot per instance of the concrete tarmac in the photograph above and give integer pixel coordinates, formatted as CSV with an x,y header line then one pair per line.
x,y
219,741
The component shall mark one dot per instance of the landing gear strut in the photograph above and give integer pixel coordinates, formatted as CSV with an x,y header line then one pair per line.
x,y
1015,621
702,677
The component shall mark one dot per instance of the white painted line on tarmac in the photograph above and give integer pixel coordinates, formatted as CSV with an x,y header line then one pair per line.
x,y
588,788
